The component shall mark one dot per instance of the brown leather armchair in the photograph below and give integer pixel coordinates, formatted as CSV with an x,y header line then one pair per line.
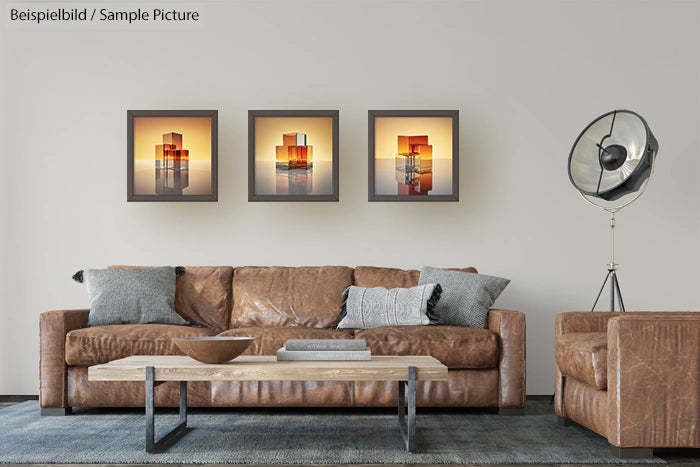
x,y
633,378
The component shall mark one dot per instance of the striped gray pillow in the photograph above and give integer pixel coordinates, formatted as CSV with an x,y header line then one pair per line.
x,y
365,308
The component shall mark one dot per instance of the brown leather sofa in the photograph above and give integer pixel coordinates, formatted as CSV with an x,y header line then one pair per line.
x,y
633,378
273,304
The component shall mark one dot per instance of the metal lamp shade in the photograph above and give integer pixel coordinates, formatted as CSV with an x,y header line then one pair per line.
x,y
613,155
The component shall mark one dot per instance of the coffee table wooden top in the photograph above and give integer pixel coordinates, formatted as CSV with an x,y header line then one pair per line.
x,y
267,368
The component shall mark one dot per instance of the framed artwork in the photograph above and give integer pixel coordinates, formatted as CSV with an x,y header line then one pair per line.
x,y
293,155
413,155
172,155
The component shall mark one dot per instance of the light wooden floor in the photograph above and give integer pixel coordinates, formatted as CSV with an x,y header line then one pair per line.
x,y
675,457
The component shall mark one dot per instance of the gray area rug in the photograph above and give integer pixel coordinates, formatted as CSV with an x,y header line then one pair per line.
x,y
300,436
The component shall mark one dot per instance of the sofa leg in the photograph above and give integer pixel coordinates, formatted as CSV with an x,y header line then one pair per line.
x,y
56,411
631,453
511,411
563,421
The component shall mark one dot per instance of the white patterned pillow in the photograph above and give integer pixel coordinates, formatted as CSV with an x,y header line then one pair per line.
x,y
466,296
365,308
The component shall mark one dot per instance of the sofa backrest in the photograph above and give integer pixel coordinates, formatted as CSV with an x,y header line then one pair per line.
x,y
372,276
221,297
203,296
288,296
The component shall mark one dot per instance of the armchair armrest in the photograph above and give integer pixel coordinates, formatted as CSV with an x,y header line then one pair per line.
x,y
582,321
654,379
575,321
53,327
509,325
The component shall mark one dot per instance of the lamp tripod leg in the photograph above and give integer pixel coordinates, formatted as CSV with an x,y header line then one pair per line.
x,y
601,290
611,274
619,293
614,291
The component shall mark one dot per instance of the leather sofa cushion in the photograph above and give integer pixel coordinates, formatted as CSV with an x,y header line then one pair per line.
x,y
583,356
389,278
203,295
268,340
455,346
101,344
464,388
371,276
285,296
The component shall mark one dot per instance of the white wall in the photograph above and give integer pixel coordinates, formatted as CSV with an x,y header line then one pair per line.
x,y
526,76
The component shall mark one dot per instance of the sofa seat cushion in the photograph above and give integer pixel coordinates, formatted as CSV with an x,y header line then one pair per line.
x,y
391,278
268,340
101,344
455,346
284,296
584,357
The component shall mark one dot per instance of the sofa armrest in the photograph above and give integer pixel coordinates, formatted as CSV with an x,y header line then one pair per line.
x,y
53,327
509,325
653,380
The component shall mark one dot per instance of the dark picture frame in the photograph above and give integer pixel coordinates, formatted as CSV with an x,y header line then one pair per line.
x,y
170,152
300,170
405,164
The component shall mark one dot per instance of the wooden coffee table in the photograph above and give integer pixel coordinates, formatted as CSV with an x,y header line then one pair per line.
x,y
154,370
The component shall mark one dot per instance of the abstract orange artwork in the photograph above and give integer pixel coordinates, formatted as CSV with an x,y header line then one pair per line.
x,y
414,165
293,155
413,155
172,155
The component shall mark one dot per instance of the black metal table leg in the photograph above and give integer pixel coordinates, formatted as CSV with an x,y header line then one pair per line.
x,y
152,445
408,427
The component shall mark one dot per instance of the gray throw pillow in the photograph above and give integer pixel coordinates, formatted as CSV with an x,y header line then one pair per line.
x,y
131,296
466,297
365,308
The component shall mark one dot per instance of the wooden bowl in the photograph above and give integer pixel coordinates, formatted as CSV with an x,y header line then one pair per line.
x,y
213,349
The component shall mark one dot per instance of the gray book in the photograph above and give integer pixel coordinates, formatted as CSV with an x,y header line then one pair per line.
x,y
325,344
284,354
